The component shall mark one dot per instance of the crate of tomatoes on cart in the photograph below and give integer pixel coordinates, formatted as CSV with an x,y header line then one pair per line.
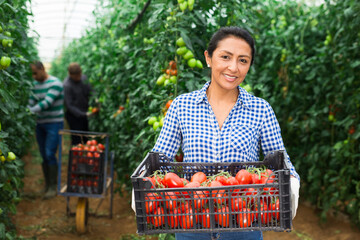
x,y
86,168
174,197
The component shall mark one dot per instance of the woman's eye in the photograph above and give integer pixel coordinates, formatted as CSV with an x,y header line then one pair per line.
x,y
243,60
225,57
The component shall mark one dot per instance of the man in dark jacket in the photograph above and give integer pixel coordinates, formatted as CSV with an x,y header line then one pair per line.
x,y
76,93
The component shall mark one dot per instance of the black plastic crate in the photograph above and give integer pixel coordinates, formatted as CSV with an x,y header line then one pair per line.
x,y
155,207
85,172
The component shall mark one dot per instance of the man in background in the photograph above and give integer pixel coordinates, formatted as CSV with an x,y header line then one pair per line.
x,y
77,93
47,102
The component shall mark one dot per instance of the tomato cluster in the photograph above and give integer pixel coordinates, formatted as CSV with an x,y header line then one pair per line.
x,y
10,155
85,167
6,43
219,201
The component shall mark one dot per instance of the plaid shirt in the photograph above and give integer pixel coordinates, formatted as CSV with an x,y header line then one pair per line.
x,y
191,122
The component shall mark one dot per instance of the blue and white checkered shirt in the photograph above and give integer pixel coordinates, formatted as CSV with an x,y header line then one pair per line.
x,y
191,122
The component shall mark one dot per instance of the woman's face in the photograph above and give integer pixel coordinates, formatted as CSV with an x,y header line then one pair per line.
x,y
230,62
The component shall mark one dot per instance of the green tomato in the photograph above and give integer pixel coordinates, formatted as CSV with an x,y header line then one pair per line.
x,y
11,156
7,33
167,82
156,125
160,81
5,42
2,159
181,51
183,6
192,62
180,42
173,79
3,61
191,4
8,61
1,29
199,64
331,118
152,120
188,55
180,1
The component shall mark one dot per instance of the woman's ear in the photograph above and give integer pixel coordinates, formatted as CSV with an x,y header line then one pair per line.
x,y
207,58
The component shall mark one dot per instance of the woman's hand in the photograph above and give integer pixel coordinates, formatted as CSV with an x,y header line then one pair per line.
x,y
294,191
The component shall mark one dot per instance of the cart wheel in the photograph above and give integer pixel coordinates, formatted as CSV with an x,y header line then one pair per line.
x,y
81,214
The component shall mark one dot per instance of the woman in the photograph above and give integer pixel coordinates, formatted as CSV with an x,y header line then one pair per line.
x,y
222,122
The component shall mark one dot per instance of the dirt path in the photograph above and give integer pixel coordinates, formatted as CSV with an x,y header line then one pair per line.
x,y
47,219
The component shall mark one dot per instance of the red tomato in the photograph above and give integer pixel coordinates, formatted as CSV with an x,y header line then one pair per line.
x,y
265,214
170,201
89,155
200,200
159,218
168,104
151,180
189,193
173,219
256,178
205,219
245,218
219,195
159,181
92,149
237,203
198,177
244,177
88,142
223,216
187,221
231,181
96,155
151,202
101,146
172,180
275,207
221,179
93,142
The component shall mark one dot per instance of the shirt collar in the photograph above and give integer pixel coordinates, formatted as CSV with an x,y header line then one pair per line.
x,y
243,98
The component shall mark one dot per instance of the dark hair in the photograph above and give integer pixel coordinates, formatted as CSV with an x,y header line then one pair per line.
x,y
238,32
38,64
74,68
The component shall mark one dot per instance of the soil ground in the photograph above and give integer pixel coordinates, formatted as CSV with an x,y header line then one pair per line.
x,y
38,219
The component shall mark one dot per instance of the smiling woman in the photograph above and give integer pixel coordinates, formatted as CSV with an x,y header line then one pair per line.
x,y
222,122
